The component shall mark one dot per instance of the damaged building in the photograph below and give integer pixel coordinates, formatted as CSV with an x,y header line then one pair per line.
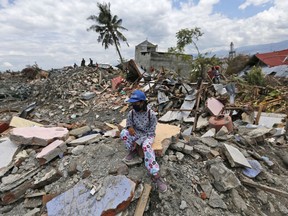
x,y
148,58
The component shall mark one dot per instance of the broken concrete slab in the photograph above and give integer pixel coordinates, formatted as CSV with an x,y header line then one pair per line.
x,y
238,200
54,149
235,157
224,179
92,138
269,119
210,133
12,181
260,131
32,212
206,187
47,177
115,196
79,131
202,122
7,149
211,142
18,122
215,200
87,95
33,202
16,193
37,135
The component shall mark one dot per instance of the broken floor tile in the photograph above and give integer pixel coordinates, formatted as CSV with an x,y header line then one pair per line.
x,y
86,139
7,149
235,157
51,151
255,169
210,133
116,194
214,106
38,135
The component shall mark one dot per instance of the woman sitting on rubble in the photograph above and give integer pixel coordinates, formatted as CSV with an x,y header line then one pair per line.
x,y
140,131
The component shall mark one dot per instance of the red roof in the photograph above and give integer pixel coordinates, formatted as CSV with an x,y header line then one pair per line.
x,y
275,58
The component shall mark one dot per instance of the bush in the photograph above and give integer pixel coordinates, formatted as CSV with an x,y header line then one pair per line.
x,y
256,77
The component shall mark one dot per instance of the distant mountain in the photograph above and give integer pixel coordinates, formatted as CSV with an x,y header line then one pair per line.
x,y
253,49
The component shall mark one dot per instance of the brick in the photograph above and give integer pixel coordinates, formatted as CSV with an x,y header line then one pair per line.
x,y
3,126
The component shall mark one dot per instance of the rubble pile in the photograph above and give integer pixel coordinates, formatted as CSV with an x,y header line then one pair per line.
x,y
61,153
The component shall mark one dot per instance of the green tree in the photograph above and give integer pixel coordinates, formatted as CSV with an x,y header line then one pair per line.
x,y
237,64
108,27
201,63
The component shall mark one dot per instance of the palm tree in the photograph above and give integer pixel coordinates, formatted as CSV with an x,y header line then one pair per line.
x,y
108,28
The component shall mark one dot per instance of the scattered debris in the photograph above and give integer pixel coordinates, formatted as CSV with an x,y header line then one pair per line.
x,y
60,144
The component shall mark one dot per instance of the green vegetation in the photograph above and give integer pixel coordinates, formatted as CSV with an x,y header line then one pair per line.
x,y
108,27
256,77
236,64
201,64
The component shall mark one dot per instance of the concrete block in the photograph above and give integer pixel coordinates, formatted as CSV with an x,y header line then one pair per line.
x,y
37,135
86,139
79,131
51,151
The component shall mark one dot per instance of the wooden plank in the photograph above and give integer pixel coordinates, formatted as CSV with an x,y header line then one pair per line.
x,y
199,91
163,131
20,122
142,202
259,114
264,187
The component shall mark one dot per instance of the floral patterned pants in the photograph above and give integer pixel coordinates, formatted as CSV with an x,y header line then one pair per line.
x,y
146,143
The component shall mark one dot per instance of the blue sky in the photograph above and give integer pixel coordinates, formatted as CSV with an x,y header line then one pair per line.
x,y
53,33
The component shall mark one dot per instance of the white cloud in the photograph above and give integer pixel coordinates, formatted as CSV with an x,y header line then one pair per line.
x,y
248,3
53,33
4,3
7,65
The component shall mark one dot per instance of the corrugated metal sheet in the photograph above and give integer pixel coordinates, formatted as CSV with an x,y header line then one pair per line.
x,y
275,58
277,71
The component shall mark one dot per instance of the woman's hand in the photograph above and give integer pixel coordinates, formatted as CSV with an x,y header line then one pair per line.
x,y
131,131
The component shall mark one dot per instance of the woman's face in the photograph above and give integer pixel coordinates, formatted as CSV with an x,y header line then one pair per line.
x,y
137,106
